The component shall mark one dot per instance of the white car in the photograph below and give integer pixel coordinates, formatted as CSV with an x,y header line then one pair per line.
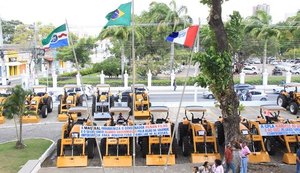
x,y
208,95
88,90
295,70
250,70
258,95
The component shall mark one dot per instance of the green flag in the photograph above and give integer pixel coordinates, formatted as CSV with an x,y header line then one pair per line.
x,y
120,16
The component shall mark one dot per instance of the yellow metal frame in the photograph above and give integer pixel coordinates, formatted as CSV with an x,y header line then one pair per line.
x,y
117,161
30,119
159,159
2,119
141,101
64,117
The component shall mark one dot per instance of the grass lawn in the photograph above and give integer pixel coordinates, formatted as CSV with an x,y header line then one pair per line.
x,y
12,159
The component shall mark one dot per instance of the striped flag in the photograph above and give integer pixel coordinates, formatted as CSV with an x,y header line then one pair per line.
x,y
184,37
57,38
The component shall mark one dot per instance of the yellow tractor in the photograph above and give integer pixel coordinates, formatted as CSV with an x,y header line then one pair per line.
x,y
250,131
291,99
69,99
4,93
197,136
139,101
73,150
103,100
156,148
270,115
117,152
39,102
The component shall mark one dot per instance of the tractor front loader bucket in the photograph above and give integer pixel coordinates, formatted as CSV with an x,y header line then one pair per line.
x,y
2,119
117,161
157,159
202,157
30,119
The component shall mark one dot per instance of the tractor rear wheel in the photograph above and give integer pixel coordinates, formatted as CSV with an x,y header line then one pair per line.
x,y
93,109
49,104
270,145
58,146
103,147
186,147
282,101
294,108
59,109
145,147
44,111
220,132
182,131
90,148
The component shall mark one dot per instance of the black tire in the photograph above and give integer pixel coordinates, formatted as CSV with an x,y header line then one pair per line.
x,y
282,101
93,109
94,100
145,145
174,147
103,147
59,98
112,101
44,111
80,100
129,104
58,146
182,131
186,146
293,108
220,132
59,110
90,148
210,96
49,104
270,144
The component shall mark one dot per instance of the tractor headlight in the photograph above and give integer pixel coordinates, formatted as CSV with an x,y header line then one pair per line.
x,y
33,102
75,135
201,132
245,132
69,101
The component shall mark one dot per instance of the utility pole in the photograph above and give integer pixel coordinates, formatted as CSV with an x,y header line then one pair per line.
x,y
3,71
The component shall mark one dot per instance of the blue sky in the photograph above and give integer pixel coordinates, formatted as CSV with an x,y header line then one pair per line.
x,y
89,16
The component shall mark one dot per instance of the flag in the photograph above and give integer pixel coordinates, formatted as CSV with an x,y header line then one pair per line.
x,y
57,38
120,16
184,37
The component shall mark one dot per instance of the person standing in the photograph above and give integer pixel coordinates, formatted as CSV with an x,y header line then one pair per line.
x,y
205,168
229,159
174,84
298,161
217,167
244,157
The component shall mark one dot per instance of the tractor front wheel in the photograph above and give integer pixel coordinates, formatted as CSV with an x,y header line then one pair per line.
x,y
44,111
186,147
282,101
58,146
90,148
294,108
270,145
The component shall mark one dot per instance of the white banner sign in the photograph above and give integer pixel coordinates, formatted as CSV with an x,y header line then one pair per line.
x,y
124,131
279,129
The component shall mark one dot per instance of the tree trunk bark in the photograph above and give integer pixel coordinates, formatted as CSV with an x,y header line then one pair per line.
x,y
16,127
19,144
216,24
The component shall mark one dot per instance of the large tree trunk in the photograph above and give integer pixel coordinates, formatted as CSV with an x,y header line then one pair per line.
x,y
229,102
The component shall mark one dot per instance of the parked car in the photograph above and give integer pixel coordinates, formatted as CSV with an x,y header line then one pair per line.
x,y
258,95
250,70
88,90
243,87
295,70
277,72
208,95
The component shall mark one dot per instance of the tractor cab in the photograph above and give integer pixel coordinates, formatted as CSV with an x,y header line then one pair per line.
x,y
291,99
72,149
69,99
197,136
139,101
102,101
117,151
155,148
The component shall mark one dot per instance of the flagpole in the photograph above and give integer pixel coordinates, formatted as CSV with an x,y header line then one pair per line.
x,y
78,73
180,102
133,83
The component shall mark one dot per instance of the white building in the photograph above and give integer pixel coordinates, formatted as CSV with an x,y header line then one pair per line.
x,y
262,7
101,52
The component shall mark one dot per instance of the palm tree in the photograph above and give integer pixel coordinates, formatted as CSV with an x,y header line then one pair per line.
x,y
260,27
178,19
14,105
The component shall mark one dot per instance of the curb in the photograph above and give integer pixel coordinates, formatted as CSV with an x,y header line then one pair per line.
x,y
33,166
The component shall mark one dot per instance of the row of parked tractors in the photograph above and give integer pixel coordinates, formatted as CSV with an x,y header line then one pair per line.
x,y
194,137
37,103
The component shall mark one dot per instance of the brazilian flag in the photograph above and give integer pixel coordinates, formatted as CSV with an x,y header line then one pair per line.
x,y
120,16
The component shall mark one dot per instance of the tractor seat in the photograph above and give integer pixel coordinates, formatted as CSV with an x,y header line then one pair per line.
x,y
72,94
196,120
160,121
40,94
81,121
